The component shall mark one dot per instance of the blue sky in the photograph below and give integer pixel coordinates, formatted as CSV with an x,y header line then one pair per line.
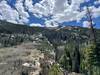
x,y
37,13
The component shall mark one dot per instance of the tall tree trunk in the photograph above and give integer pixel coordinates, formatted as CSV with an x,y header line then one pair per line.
x,y
56,53
76,61
92,30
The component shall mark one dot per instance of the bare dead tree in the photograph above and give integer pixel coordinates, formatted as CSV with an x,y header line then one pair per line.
x,y
92,30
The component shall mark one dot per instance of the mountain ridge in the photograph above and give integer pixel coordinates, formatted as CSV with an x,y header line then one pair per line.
x,y
52,34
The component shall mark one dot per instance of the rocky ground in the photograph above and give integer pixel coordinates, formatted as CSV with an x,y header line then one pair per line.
x,y
18,59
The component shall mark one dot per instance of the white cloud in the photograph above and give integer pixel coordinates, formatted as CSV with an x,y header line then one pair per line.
x,y
96,12
7,13
12,21
51,23
21,11
85,24
36,24
12,15
60,10
44,8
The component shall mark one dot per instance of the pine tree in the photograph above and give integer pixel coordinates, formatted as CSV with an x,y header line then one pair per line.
x,y
55,70
65,60
91,58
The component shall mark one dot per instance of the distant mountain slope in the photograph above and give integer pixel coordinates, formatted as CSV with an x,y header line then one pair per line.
x,y
7,27
54,35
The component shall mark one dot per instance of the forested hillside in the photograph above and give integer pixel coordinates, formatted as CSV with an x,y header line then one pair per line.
x,y
71,46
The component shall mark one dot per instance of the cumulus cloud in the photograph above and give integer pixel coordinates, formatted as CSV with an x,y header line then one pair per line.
x,y
18,15
96,12
51,23
86,24
7,13
43,8
36,25
22,13
59,10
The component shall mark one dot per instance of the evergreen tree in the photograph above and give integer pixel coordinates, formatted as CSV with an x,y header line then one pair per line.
x,y
65,60
55,70
91,59
71,59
